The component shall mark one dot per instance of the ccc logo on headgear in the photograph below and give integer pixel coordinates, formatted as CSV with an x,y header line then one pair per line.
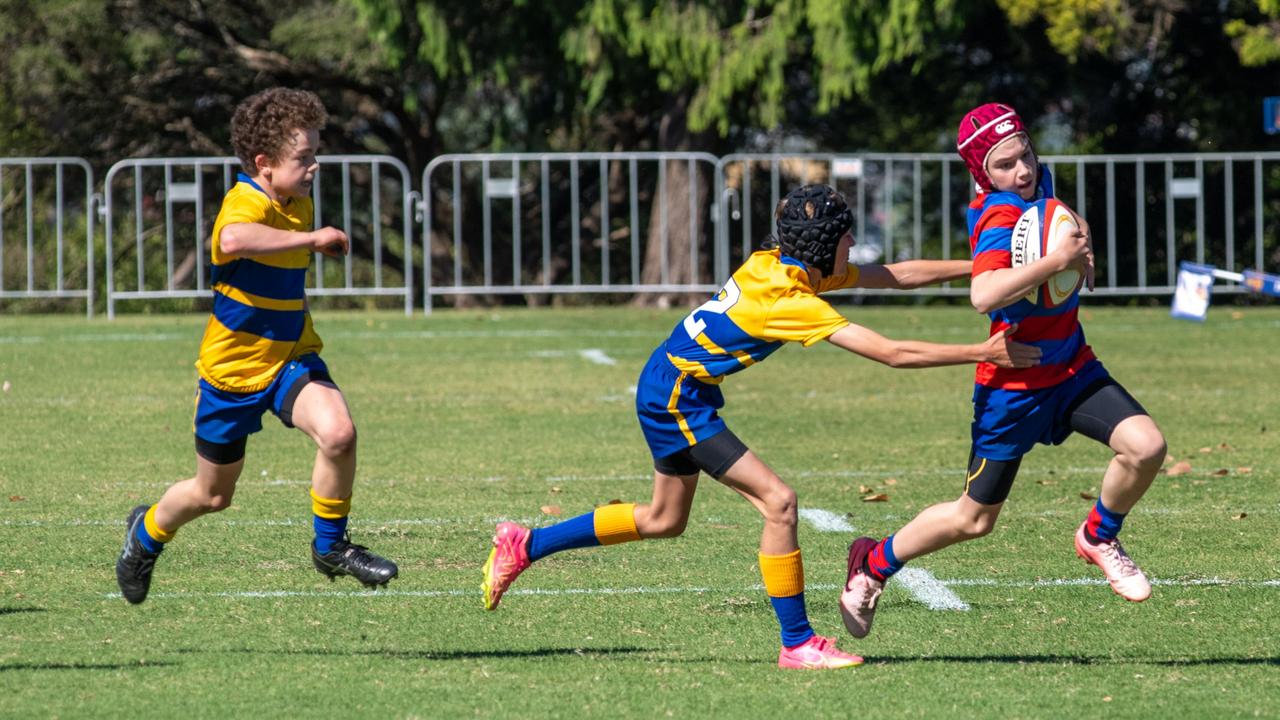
x,y
1004,127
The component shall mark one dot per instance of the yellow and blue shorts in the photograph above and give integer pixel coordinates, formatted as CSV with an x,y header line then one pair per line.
x,y
223,418
676,411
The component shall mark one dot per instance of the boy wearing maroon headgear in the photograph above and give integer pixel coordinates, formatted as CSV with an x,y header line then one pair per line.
x,y
1015,408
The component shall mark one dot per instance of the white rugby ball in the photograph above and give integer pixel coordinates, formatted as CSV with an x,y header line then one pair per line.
x,y
1037,233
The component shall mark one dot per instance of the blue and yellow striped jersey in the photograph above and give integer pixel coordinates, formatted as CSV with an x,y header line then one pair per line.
x,y
767,302
260,319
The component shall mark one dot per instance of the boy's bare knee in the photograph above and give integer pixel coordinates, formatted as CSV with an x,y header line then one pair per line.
x,y
979,526
338,440
1152,451
215,502
667,526
780,504
972,525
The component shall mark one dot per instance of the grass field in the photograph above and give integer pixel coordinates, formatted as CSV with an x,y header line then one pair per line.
x,y
470,417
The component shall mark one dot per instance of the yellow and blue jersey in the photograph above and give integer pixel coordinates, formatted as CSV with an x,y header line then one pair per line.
x,y
260,320
768,302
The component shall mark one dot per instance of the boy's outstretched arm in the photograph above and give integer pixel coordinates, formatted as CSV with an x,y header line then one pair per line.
x,y
248,239
998,349
911,274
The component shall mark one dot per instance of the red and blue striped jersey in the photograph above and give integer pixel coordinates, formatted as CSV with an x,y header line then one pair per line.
x,y
1055,330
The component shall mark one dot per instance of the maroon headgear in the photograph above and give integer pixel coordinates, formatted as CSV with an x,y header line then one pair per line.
x,y
981,130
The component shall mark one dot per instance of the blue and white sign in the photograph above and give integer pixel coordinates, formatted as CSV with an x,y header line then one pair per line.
x,y
1191,296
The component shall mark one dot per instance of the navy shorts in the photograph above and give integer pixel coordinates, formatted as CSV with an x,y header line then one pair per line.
x,y
675,410
224,417
1008,423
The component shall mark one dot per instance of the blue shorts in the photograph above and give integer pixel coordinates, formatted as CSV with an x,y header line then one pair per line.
x,y
224,417
675,410
1008,423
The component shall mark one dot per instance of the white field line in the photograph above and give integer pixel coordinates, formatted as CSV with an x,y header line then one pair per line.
x,y
921,583
825,520
931,474
597,356
133,337
291,522
806,514
695,590
928,590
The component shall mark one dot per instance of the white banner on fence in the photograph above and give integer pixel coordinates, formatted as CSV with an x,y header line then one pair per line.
x,y
1191,297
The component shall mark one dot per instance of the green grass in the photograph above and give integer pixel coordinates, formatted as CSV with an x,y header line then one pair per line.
x,y
466,417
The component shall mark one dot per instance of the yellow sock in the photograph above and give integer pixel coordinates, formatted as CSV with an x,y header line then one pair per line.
x,y
330,508
783,574
155,531
616,523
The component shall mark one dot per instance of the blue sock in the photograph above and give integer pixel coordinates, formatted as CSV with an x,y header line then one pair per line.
x,y
578,532
882,562
793,619
328,531
151,544
1102,523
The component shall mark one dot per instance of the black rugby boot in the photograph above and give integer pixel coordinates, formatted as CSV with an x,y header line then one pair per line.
x,y
134,566
347,558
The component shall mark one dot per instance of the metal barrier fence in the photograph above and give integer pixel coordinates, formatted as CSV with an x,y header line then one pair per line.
x,y
1157,209
48,209
610,223
174,202
634,222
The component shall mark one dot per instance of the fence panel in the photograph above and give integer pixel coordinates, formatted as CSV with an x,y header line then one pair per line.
x,y
904,205
166,208
47,203
610,223
535,224
1146,212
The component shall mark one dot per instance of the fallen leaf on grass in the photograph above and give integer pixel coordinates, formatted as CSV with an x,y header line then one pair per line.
x,y
1046,482
16,498
878,497
550,509
555,489
863,489
1221,471
1225,446
1179,468
1206,450
891,481
1087,496
1244,470
1241,516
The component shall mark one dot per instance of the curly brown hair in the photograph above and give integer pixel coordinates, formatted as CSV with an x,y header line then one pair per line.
x,y
263,122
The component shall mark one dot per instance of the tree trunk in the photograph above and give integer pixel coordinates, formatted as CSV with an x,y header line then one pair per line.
x,y
685,257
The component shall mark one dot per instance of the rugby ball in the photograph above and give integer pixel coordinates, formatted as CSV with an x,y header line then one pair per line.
x,y
1036,234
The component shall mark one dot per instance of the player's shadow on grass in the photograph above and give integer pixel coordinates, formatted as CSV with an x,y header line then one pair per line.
x,y
442,654
1072,660
16,610
84,666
